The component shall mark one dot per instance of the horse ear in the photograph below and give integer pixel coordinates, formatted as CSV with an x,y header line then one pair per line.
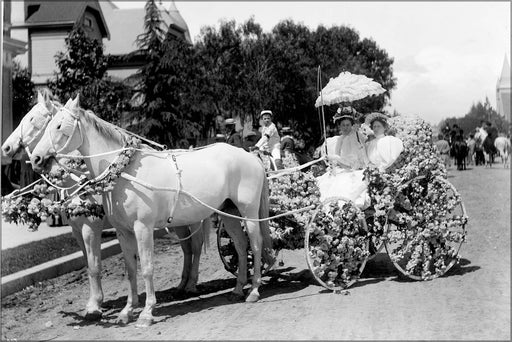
x,y
40,98
68,104
74,102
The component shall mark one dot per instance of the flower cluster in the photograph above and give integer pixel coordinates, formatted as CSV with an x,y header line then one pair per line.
x,y
288,193
338,244
36,206
115,169
418,205
61,172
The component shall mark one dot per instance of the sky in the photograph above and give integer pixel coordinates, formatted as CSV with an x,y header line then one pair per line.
x,y
447,55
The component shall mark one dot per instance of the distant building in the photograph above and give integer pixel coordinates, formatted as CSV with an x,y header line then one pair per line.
x,y
126,25
44,25
503,105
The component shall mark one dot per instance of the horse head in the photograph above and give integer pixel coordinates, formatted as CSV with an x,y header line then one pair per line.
x,y
31,128
62,135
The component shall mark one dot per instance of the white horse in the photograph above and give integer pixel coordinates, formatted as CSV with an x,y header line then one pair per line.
x,y
87,230
502,144
219,176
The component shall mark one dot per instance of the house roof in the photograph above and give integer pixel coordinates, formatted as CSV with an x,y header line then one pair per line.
x,y
126,24
46,13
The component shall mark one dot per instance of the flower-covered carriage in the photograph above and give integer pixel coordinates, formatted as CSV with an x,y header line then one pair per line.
x,y
414,213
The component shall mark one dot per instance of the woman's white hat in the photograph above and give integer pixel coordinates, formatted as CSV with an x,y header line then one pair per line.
x,y
374,116
230,121
345,113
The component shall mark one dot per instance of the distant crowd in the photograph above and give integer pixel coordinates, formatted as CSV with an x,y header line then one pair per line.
x,y
479,148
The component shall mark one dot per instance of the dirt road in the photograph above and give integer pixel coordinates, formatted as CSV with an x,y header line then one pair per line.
x,y
471,302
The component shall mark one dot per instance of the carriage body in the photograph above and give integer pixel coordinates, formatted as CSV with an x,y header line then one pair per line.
x,y
415,214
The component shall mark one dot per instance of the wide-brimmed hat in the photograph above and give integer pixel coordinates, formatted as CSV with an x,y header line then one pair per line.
x,y
345,113
286,129
370,118
230,121
266,111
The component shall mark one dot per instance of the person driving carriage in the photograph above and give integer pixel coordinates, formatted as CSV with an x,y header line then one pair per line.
x,y
347,158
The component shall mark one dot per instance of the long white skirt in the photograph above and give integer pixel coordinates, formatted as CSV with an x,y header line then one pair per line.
x,y
344,183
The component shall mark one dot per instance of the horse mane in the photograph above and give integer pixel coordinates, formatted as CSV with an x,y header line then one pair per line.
x,y
105,128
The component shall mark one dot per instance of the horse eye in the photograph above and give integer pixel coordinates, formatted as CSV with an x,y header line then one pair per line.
x,y
58,127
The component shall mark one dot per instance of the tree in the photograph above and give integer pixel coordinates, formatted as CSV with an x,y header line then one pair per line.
x,y
82,70
477,113
22,93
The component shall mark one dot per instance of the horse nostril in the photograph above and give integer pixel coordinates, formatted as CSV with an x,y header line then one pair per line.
x,y
7,148
38,160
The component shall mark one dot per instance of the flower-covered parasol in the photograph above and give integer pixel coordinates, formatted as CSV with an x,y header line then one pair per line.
x,y
348,87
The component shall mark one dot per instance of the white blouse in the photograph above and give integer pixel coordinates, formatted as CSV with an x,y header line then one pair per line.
x,y
384,150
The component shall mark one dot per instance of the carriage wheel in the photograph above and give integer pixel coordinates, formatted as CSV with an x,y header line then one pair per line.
x,y
229,256
336,243
426,228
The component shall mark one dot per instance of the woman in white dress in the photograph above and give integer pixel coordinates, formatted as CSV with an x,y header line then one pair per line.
x,y
345,175
384,149
345,178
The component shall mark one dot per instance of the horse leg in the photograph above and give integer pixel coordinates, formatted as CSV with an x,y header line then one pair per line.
x,y
145,244
186,246
129,247
91,233
256,241
81,231
197,240
234,229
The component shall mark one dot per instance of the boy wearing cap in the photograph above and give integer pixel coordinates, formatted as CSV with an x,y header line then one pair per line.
x,y
270,140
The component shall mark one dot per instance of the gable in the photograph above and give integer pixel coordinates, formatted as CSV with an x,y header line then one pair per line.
x,y
62,13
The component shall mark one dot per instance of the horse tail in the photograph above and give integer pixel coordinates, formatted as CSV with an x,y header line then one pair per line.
x,y
263,212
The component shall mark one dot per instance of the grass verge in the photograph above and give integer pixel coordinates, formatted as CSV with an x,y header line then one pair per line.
x,y
38,252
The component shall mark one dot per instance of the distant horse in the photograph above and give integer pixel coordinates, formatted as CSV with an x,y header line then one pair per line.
x,y
460,152
502,144
87,230
153,184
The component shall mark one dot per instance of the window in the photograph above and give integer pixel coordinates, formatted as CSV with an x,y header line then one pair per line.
x,y
88,22
31,9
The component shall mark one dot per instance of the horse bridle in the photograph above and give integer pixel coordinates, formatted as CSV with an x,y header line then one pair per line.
x,y
49,116
76,125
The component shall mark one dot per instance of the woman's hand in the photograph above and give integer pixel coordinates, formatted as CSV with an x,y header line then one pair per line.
x,y
335,160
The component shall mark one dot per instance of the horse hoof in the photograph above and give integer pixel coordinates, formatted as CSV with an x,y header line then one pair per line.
x,y
124,319
93,315
144,322
235,297
252,298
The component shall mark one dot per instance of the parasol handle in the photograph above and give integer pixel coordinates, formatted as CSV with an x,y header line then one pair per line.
x,y
319,88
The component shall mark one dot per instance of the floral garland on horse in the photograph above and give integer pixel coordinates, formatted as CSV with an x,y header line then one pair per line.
x,y
35,206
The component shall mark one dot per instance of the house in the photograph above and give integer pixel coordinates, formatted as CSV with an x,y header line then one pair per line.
x,y
126,25
44,25
503,91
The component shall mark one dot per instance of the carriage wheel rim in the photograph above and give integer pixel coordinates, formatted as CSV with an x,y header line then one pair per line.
x,y
453,261
306,245
234,269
